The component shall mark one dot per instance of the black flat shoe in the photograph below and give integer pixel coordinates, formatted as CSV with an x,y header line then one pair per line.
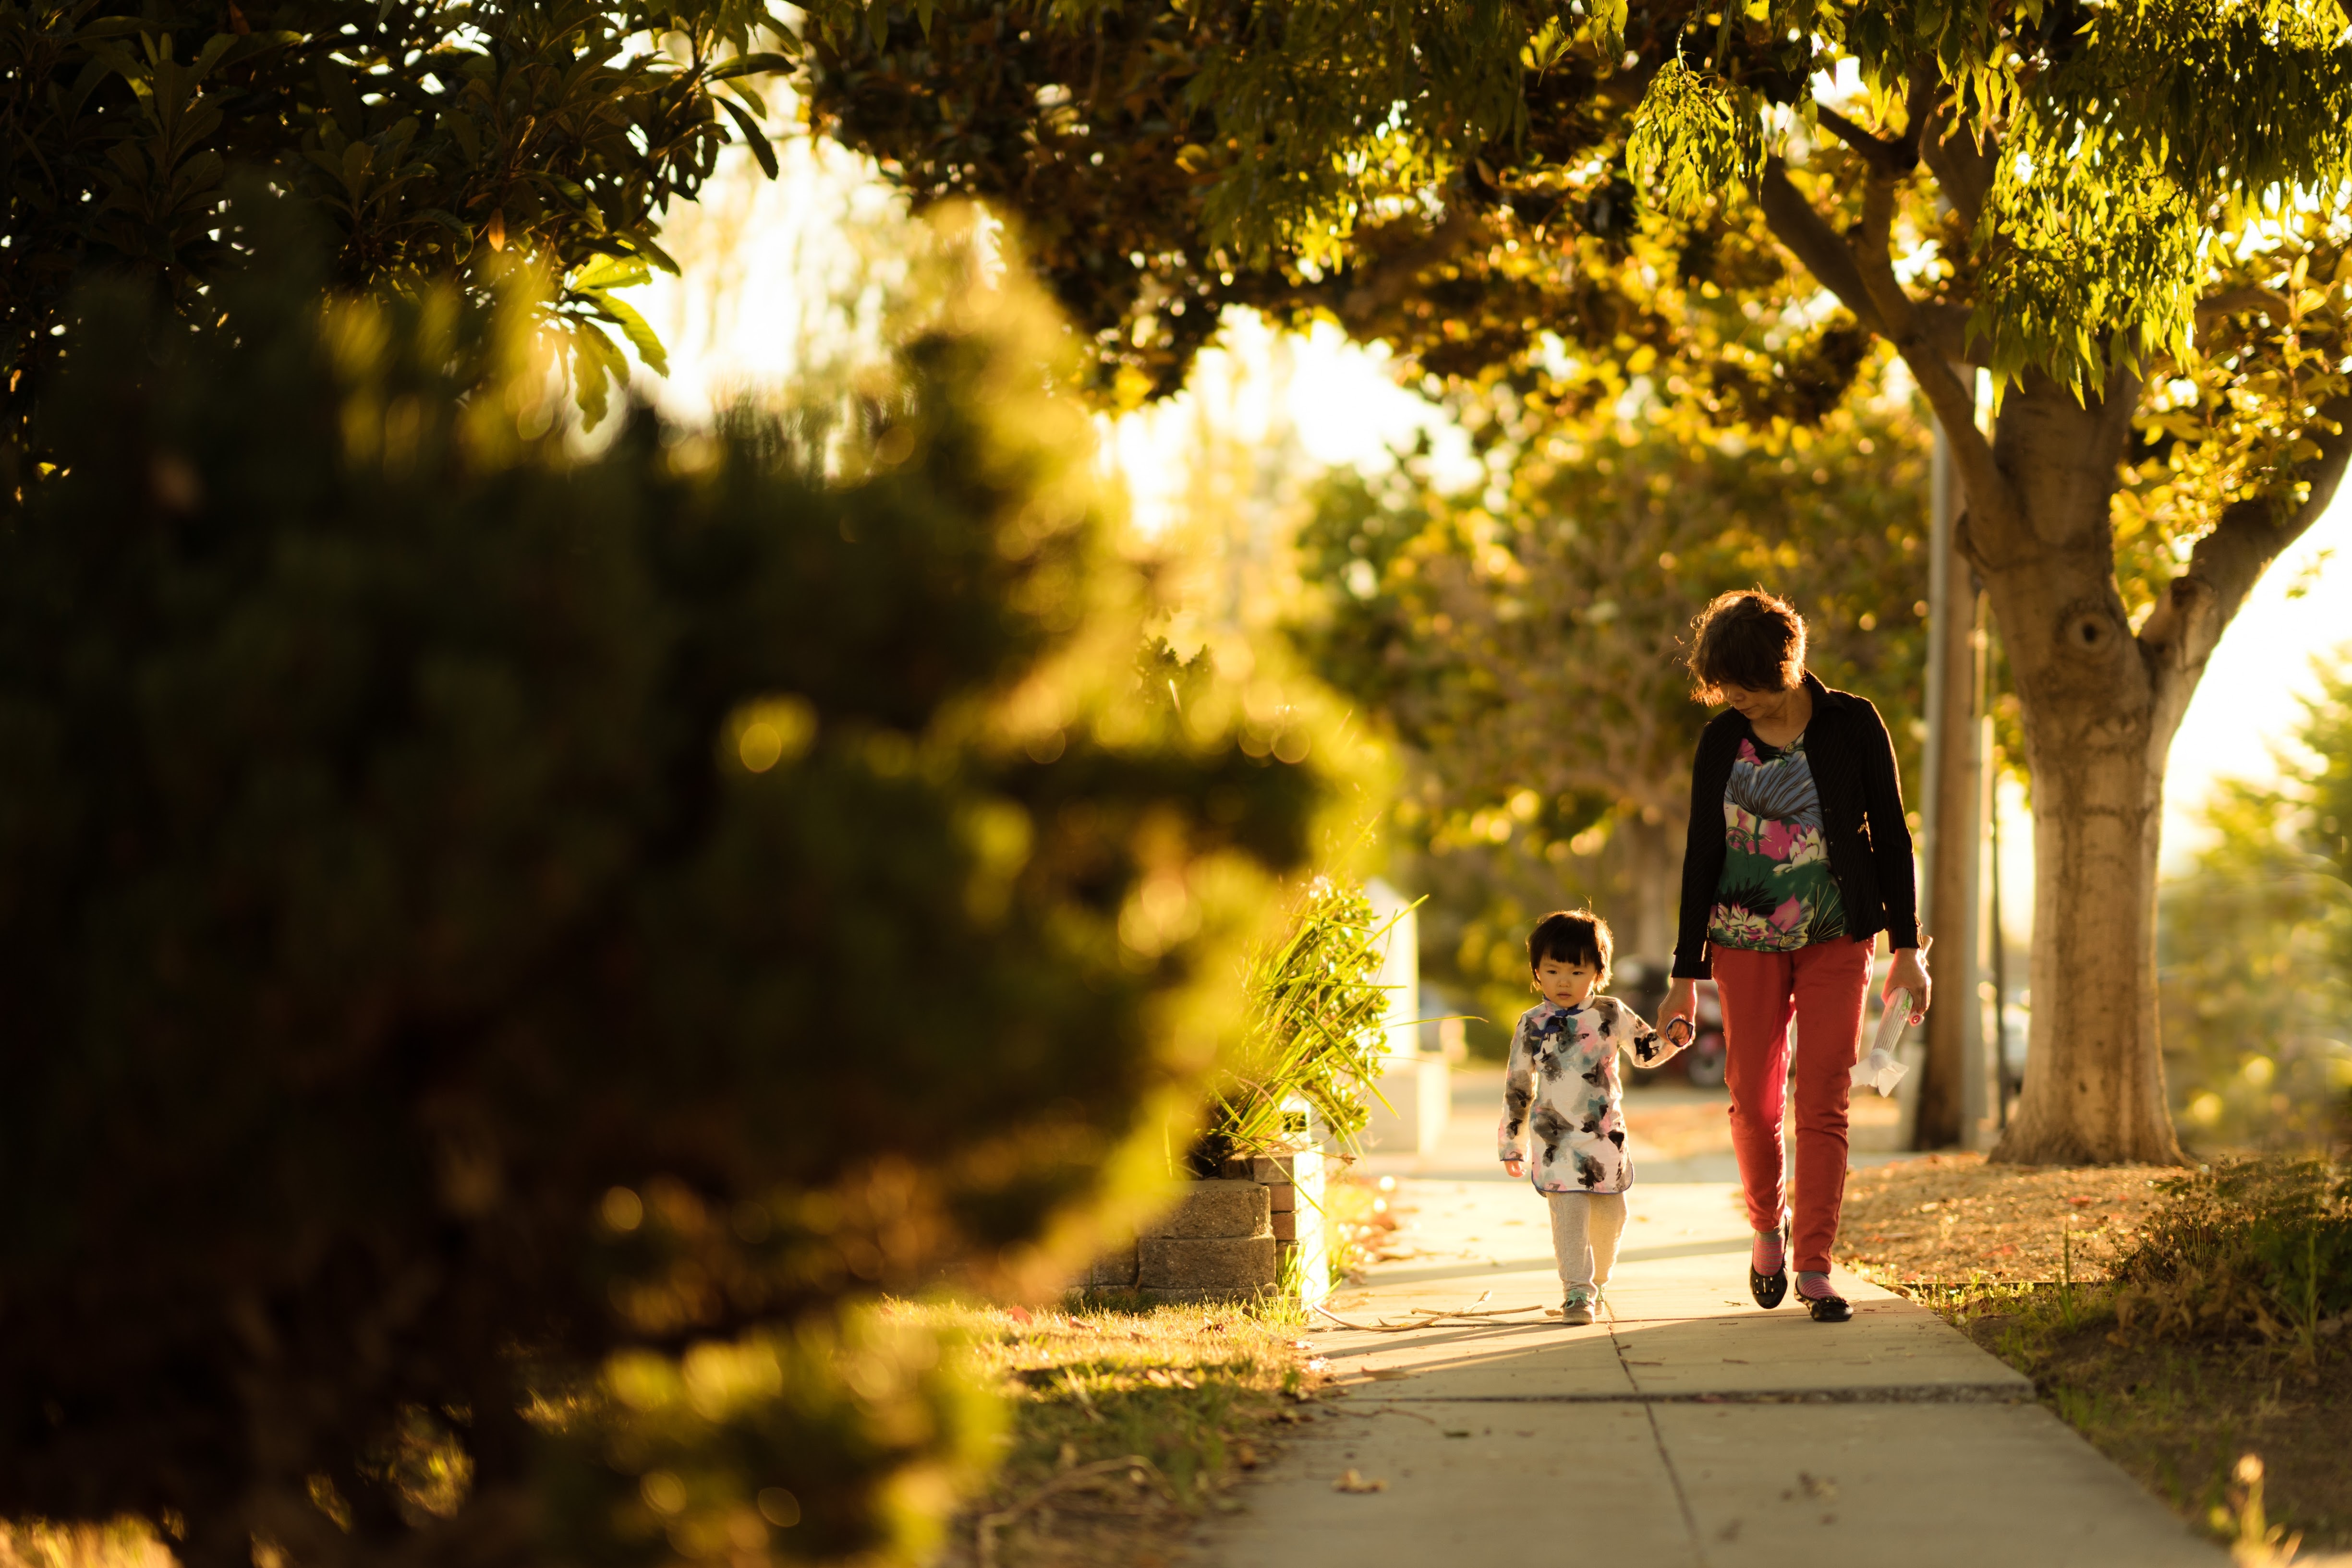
x,y
1768,1290
1826,1309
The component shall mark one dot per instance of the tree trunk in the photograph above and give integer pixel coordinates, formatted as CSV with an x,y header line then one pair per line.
x,y
2101,703
1651,871
2100,710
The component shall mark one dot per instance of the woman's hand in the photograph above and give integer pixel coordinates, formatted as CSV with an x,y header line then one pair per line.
x,y
1910,973
1681,1002
1515,1167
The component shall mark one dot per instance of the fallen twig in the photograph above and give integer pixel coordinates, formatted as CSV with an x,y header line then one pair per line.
x,y
984,1532
1384,1410
1435,1319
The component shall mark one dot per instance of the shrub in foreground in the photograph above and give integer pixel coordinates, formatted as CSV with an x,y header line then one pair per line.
x,y
505,958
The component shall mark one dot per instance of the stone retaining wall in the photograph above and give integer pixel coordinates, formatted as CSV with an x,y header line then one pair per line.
x,y
1231,1238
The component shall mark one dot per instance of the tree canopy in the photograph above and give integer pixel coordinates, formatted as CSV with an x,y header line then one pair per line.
x,y
1480,185
2134,218
435,138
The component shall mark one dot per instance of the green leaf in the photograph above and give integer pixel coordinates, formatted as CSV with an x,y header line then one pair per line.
x,y
751,133
645,245
641,335
218,45
463,131
1695,138
751,65
612,272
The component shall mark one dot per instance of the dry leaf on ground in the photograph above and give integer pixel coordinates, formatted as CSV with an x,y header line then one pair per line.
x,y
1952,1217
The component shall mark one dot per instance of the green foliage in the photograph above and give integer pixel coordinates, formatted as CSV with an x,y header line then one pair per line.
x,y
2247,1248
2098,201
2254,947
507,956
2082,257
1105,144
1692,141
432,136
1312,1047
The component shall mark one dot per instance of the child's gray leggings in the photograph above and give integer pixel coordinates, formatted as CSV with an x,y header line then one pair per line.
x,y
1585,1227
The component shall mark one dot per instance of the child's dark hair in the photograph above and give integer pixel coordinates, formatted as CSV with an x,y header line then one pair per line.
x,y
1571,936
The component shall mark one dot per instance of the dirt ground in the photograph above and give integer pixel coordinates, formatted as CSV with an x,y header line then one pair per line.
x,y
1986,1246
1951,1218
1670,1122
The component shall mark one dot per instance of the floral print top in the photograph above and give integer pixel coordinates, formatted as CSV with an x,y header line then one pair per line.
x,y
1776,893
1563,1083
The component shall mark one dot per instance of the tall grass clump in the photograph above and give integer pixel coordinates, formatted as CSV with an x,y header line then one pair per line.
x,y
2248,1249
1312,1040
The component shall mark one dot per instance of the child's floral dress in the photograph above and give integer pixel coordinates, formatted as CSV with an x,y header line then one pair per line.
x,y
1562,1084
1777,893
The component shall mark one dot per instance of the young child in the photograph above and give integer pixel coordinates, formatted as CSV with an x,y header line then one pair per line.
x,y
1563,1080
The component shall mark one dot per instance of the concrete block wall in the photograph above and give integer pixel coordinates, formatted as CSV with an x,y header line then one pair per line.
x,y
1242,1234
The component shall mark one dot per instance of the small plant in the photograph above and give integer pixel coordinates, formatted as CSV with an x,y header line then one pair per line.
x,y
1313,1043
2252,1248
2066,1304
2254,1542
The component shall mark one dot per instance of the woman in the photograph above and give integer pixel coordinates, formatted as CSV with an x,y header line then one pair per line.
x,y
1798,858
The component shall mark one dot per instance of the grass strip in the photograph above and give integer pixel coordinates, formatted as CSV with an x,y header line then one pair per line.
x,y
1128,1421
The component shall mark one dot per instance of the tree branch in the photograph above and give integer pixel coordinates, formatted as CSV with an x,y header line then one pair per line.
x,y
1962,164
1926,337
1890,159
1946,326
2234,301
1809,237
2198,606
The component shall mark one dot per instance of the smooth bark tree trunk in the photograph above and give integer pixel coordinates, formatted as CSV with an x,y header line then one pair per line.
x,y
1651,869
2100,709
2101,699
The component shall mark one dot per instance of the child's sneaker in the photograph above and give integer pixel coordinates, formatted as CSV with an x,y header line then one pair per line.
x,y
1576,1311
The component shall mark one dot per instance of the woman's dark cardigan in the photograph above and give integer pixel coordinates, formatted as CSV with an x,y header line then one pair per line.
x,y
1861,818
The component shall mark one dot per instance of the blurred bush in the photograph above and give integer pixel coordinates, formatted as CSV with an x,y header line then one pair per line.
x,y
2250,1247
2254,947
506,955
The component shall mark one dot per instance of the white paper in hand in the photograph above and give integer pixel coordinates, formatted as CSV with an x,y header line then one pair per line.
x,y
1879,1069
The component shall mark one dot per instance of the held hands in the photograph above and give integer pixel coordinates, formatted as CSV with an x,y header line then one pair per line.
x,y
1680,1006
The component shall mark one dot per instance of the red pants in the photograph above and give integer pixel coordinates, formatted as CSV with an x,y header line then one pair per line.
x,y
1824,985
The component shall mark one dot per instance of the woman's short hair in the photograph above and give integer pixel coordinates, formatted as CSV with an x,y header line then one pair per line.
x,y
1748,638
1571,936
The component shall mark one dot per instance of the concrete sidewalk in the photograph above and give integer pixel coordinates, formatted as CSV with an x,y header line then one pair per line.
x,y
1687,1428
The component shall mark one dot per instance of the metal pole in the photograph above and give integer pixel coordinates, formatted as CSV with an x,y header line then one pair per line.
x,y
2000,952
1951,1092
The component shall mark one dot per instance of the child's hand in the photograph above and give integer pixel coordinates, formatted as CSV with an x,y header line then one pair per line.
x,y
1515,1167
